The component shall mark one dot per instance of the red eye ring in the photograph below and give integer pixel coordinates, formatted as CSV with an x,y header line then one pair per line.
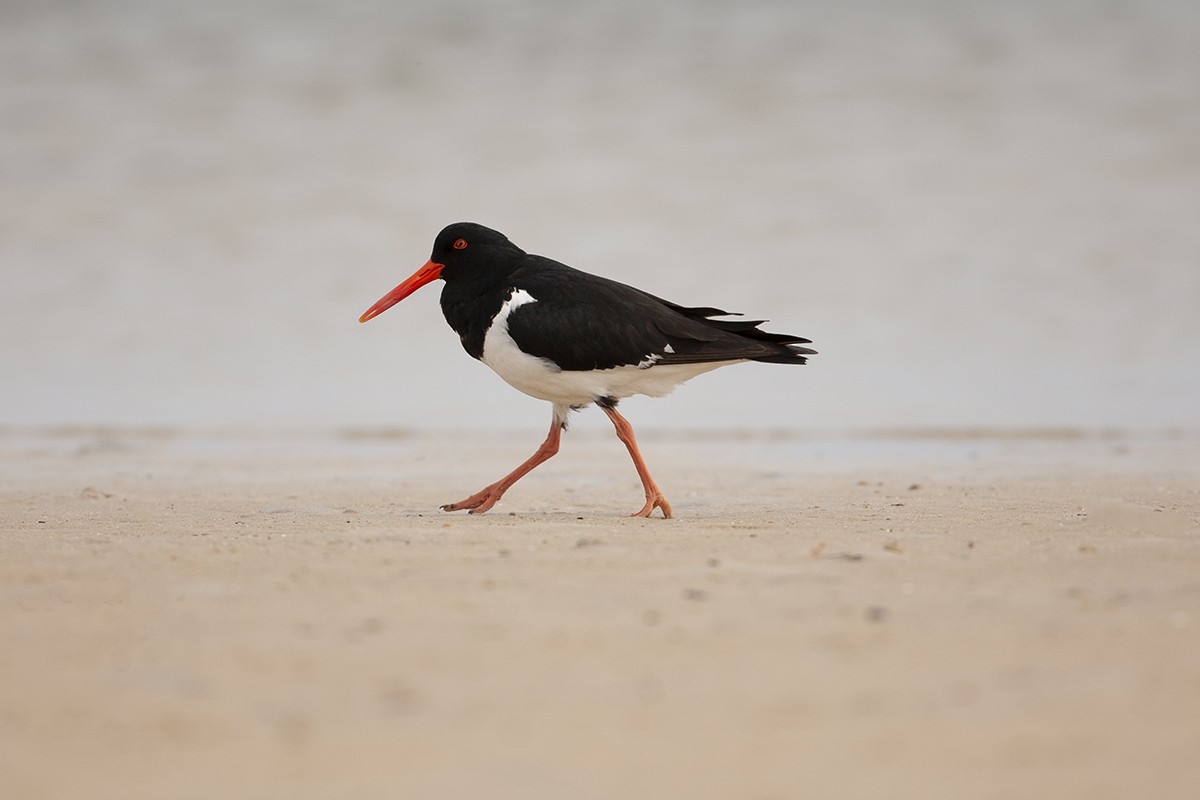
x,y
459,244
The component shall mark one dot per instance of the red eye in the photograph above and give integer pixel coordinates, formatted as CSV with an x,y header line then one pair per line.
x,y
459,244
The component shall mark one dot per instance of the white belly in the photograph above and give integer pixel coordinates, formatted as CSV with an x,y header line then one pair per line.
x,y
541,378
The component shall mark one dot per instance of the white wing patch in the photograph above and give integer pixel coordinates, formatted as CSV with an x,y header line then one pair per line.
x,y
649,361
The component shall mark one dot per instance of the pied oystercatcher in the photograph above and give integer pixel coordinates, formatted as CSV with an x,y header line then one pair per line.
x,y
574,339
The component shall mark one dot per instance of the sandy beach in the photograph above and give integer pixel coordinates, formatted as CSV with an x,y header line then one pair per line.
x,y
963,614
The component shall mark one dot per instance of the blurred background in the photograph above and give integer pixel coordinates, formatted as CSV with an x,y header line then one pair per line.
x,y
983,214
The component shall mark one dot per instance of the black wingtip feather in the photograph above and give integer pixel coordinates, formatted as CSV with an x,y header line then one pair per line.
x,y
797,355
784,347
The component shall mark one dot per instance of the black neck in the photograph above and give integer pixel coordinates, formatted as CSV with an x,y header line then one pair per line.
x,y
469,311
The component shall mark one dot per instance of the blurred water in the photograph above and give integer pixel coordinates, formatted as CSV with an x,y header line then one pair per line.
x,y
982,213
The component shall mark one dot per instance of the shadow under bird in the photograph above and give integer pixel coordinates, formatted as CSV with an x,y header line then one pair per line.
x,y
574,339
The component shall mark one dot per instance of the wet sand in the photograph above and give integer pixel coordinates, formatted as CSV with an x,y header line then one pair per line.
x,y
945,615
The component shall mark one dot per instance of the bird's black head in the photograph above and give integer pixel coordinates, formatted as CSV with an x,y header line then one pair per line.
x,y
469,251
466,254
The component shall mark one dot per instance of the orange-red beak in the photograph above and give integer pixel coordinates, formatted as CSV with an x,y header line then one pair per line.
x,y
430,272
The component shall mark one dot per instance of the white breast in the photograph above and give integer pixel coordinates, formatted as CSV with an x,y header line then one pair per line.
x,y
541,378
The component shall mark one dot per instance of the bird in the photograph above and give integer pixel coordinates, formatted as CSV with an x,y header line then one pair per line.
x,y
575,339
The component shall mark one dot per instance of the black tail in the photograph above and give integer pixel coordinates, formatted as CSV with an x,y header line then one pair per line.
x,y
783,348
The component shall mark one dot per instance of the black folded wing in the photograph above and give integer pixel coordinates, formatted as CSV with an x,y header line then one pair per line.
x,y
585,322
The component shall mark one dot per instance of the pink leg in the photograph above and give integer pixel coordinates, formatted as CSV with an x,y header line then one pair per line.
x,y
486,497
654,497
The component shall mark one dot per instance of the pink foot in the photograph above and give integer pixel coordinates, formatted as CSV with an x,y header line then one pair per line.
x,y
652,502
477,503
